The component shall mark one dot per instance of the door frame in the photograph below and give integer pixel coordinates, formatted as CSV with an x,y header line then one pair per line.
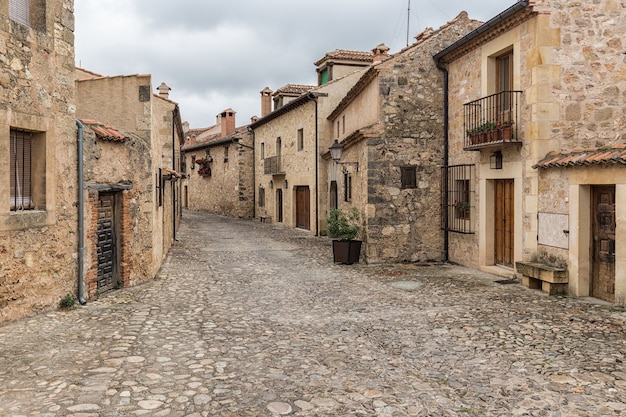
x,y
504,237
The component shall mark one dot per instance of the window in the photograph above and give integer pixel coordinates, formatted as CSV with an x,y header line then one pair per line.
x,y
21,175
193,162
324,76
337,128
225,153
504,80
300,139
262,150
458,208
347,182
19,11
408,177
343,123
261,196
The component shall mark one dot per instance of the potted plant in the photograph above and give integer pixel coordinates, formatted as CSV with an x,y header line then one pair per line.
x,y
344,227
505,130
204,166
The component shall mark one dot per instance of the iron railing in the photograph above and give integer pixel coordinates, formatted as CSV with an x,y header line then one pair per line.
x,y
492,120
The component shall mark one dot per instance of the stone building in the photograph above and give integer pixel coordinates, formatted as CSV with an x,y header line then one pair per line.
x,y
551,190
391,128
290,182
219,168
132,140
38,216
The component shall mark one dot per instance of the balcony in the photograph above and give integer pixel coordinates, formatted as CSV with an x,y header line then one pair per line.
x,y
492,121
273,165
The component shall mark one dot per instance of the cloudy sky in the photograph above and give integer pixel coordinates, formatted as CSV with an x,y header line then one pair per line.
x,y
220,54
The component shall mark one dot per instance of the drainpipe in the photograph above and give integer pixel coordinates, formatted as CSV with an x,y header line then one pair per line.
x,y
81,222
444,203
317,177
174,168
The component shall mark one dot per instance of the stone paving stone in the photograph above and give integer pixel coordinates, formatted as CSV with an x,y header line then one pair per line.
x,y
252,319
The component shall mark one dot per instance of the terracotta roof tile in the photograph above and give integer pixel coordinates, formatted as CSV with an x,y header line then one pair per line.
x,y
294,89
347,55
614,154
104,131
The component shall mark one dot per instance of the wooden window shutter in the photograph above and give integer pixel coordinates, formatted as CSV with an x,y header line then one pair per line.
x,y
19,11
408,177
20,182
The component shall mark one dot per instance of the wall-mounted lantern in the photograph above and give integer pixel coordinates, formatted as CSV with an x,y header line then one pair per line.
x,y
336,151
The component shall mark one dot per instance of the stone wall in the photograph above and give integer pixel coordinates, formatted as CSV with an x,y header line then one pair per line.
x,y
404,224
229,190
38,247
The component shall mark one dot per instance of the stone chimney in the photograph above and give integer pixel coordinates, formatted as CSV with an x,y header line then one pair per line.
x,y
266,101
380,52
227,122
164,90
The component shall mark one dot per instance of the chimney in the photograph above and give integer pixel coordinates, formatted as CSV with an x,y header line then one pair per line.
x,y
380,52
164,90
266,101
227,122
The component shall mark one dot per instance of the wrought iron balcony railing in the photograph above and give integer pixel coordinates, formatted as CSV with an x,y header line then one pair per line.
x,y
273,165
492,121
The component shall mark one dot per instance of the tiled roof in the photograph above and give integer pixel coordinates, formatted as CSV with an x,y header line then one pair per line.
x,y
104,131
346,55
294,89
614,154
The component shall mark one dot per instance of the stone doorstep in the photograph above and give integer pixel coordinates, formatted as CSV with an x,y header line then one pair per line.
x,y
549,279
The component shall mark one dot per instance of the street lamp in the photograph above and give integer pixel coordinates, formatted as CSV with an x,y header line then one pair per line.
x,y
336,150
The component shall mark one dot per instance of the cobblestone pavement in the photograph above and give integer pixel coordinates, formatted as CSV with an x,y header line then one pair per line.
x,y
251,319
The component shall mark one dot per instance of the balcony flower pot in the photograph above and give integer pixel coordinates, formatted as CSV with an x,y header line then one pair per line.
x,y
344,227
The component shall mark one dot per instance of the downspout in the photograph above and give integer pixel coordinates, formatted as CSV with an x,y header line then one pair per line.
x,y
81,221
174,169
445,201
317,177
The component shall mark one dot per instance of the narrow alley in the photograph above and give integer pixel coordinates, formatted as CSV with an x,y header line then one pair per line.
x,y
251,319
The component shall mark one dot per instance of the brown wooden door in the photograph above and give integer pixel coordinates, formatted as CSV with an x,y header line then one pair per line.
x,y
504,223
107,243
603,235
303,208
279,205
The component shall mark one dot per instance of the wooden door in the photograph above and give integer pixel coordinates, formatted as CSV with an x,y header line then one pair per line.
x,y
107,243
504,222
603,244
303,208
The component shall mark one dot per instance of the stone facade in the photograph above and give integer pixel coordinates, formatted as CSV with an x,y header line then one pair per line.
x,y
139,169
38,244
290,178
219,169
568,64
392,124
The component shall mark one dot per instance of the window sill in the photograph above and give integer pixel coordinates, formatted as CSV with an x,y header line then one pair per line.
x,y
24,219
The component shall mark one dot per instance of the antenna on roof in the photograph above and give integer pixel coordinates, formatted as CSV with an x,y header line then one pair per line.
x,y
408,20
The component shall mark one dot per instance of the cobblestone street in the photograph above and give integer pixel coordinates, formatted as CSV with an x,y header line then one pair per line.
x,y
251,319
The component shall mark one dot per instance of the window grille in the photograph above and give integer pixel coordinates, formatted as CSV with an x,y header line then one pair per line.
x,y
457,200
20,182
261,197
19,11
347,182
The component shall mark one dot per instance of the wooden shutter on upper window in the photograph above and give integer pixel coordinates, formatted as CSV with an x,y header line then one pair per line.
x,y
19,11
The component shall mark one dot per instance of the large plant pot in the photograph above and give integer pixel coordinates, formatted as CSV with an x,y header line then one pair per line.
x,y
347,251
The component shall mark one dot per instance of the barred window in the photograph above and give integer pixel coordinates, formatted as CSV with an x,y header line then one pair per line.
x,y
347,182
261,197
300,139
20,182
458,198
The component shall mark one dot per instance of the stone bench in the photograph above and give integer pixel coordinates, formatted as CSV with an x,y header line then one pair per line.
x,y
549,279
265,219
